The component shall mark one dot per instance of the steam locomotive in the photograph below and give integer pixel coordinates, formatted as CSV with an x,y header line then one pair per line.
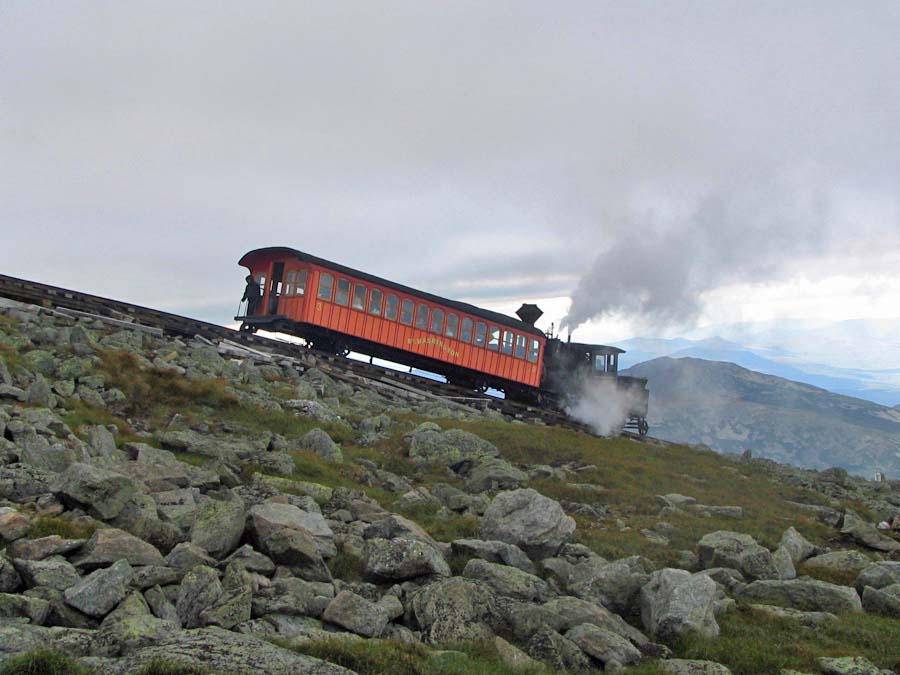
x,y
339,310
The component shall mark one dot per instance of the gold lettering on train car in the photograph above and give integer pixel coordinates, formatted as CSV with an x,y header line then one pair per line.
x,y
433,341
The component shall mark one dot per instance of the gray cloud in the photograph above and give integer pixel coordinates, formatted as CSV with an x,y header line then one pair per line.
x,y
147,146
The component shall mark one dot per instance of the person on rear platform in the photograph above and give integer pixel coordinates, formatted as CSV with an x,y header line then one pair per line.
x,y
252,295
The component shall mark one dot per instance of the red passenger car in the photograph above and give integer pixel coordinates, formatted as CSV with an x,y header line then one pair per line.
x,y
339,309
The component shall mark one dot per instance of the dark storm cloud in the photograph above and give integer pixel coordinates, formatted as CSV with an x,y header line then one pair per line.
x,y
146,146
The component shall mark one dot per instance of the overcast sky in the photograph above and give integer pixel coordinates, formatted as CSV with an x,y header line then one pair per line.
x,y
663,164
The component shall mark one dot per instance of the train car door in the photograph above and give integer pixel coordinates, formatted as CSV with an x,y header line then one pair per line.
x,y
275,287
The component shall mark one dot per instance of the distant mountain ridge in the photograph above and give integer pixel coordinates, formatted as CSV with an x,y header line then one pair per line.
x,y
731,409
879,386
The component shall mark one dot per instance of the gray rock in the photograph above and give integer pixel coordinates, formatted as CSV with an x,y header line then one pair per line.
x,y
535,523
805,594
154,575
40,394
615,585
13,524
178,507
848,665
675,603
100,591
783,564
557,652
401,559
109,545
253,561
221,651
131,627
493,473
395,526
296,549
797,546
884,601
718,511
878,575
11,393
740,551
866,534
44,547
507,581
838,561
200,589
449,448
102,493
610,649
9,578
102,443
219,523
23,607
692,667
19,482
455,609
809,619
232,608
495,552
356,614
293,597
161,606
265,518
186,556
562,614
320,443
54,572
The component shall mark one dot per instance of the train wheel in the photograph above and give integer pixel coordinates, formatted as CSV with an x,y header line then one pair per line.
x,y
643,427
247,328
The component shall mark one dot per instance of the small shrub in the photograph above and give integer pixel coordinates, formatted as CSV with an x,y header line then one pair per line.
x,y
44,526
42,662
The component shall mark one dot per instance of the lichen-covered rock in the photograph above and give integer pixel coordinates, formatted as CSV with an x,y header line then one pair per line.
x,y
508,581
23,607
296,549
221,651
884,601
455,609
109,545
837,561
878,575
448,448
401,559
675,603
493,473
294,597
102,493
10,582
535,523
219,523
320,443
615,585
809,619
44,547
97,593
356,614
848,665
739,551
131,627
866,534
692,667
13,524
54,572
612,650
806,594
265,518
493,551
558,652
200,589
186,556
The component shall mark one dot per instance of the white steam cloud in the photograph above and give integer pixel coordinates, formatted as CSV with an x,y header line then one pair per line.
x,y
602,405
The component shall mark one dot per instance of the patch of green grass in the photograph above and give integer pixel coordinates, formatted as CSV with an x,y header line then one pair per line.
x,y
832,576
753,644
439,525
45,526
159,666
42,662
388,657
346,566
191,458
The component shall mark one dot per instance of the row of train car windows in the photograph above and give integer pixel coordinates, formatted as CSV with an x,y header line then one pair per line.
x,y
424,318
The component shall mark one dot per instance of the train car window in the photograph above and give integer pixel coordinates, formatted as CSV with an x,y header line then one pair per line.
x,y
600,363
465,331
342,297
359,297
437,321
508,338
452,325
301,282
534,351
289,283
326,283
480,334
520,346
422,317
494,339
375,299
261,280
406,312
390,307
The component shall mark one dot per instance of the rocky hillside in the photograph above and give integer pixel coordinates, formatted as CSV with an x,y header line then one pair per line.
x,y
732,409
174,506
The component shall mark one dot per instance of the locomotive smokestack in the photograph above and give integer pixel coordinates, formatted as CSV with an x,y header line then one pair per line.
x,y
529,313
